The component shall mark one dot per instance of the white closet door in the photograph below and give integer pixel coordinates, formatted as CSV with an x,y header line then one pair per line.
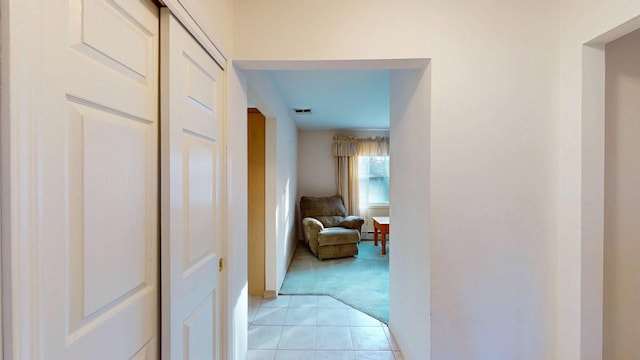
x,y
97,167
190,195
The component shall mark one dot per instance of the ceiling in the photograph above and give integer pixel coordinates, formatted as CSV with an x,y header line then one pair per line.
x,y
338,99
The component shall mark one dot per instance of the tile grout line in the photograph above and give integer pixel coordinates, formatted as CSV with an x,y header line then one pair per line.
x,y
352,323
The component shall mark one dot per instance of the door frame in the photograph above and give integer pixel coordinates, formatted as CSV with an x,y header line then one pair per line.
x,y
3,140
410,105
22,64
592,182
264,214
271,285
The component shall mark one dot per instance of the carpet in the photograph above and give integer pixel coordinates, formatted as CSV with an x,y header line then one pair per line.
x,y
361,282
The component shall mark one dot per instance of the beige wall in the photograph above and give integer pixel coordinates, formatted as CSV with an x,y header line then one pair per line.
x,y
492,161
280,178
411,272
580,159
316,165
622,199
507,110
215,17
237,292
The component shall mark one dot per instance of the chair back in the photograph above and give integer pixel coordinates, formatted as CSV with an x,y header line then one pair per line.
x,y
330,210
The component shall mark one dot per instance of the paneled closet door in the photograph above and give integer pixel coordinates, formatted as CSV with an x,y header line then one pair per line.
x,y
97,149
191,160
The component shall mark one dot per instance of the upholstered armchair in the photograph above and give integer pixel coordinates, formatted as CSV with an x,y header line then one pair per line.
x,y
327,229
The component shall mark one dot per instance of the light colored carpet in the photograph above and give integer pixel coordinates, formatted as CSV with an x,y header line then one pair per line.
x,y
361,282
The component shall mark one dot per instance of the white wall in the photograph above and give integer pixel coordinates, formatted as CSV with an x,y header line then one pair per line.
x,y
411,275
495,96
237,250
280,177
493,170
622,199
3,161
580,146
316,164
215,17
317,167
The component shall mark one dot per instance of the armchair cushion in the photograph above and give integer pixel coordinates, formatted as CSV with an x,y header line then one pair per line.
x,y
329,221
338,236
352,222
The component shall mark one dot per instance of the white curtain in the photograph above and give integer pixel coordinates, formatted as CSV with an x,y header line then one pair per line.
x,y
347,169
346,151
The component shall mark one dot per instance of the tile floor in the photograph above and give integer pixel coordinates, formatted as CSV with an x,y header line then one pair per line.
x,y
302,327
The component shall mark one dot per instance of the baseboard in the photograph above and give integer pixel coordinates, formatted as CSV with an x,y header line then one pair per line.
x,y
269,294
368,236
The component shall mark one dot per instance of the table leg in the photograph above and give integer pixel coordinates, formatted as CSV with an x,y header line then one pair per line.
x,y
375,235
384,243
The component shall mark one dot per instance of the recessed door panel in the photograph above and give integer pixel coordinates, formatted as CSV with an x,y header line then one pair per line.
x,y
200,86
113,49
199,189
97,15
115,207
107,171
199,332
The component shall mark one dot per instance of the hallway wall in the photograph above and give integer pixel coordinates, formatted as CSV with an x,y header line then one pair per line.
x,y
507,82
489,248
281,178
580,158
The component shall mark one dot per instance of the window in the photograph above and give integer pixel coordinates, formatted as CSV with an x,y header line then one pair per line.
x,y
373,176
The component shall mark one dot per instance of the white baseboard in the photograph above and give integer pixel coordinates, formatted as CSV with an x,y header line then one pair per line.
x,y
369,236
269,294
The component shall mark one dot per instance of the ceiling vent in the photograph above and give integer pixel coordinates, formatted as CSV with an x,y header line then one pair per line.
x,y
302,111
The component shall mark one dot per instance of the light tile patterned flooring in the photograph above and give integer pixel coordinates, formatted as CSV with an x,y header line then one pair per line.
x,y
301,327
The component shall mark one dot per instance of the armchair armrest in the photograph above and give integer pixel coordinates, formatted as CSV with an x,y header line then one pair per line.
x,y
311,229
312,224
352,222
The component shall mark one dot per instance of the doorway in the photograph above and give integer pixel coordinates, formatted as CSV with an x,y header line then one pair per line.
x,y
410,93
592,188
621,304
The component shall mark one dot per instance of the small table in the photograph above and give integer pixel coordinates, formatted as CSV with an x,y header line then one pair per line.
x,y
381,223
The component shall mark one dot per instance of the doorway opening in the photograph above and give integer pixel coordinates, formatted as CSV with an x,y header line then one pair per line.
x,y
410,93
597,213
621,207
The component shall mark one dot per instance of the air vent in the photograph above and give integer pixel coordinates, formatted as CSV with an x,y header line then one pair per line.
x,y
302,111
